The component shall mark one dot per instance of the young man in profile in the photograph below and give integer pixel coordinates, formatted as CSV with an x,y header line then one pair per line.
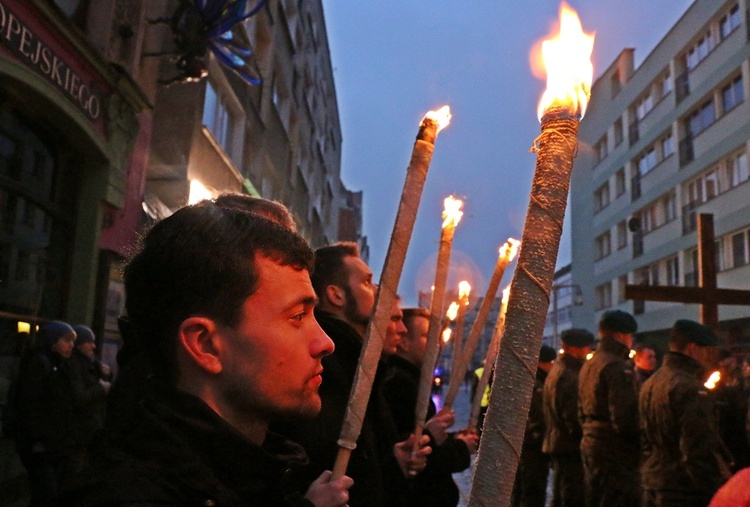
x,y
221,303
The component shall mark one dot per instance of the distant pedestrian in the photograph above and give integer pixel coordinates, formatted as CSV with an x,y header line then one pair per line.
x,y
682,463
645,363
563,435
45,441
731,401
608,411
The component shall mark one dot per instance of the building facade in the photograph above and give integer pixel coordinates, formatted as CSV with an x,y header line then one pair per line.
x,y
660,144
564,296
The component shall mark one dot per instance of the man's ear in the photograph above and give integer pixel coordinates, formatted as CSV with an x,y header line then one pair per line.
x,y
200,341
335,295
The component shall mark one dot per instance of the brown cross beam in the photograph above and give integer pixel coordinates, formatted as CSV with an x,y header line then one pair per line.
x,y
707,294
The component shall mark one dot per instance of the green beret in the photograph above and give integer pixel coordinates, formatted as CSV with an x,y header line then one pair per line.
x,y
695,332
618,321
547,354
577,338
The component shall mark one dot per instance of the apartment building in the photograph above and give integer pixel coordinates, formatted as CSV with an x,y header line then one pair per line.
x,y
660,144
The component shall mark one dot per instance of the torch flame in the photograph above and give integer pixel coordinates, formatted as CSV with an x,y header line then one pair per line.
x,y
510,249
447,335
632,354
713,380
506,294
589,356
452,213
442,117
567,61
464,289
452,311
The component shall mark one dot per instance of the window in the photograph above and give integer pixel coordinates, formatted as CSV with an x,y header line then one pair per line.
x,y
699,51
622,281
647,162
737,164
644,106
658,213
603,245
673,270
620,182
604,296
601,148
732,94
666,84
618,132
739,249
667,146
622,235
730,22
601,197
701,119
217,118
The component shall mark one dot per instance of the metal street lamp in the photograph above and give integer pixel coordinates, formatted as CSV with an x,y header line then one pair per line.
x,y
577,301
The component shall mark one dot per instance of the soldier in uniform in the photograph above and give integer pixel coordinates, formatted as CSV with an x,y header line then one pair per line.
x,y
681,445
562,440
608,411
530,488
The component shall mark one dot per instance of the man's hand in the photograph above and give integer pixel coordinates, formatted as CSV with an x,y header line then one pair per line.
x,y
470,438
327,493
439,423
410,462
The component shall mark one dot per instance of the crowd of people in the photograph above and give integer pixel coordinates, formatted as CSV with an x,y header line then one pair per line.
x,y
241,346
618,431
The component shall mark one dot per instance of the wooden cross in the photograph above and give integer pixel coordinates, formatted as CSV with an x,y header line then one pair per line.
x,y
707,294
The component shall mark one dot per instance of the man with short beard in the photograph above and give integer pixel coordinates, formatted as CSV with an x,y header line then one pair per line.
x,y
379,465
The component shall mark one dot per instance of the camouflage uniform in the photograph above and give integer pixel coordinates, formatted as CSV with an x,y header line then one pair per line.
x,y
562,439
681,461
608,411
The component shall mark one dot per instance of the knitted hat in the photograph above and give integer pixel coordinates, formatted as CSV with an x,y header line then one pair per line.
x,y
84,334
52,331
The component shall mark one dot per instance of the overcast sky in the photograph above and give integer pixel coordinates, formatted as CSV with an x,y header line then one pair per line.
x,y
395,60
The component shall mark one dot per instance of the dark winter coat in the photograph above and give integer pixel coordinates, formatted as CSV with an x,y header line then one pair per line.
x,y
377,478
89,398
434,486
608,411
563,429
180,452
680,441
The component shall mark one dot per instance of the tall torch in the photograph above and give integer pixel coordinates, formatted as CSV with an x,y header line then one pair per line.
x,y
569,75
451,216
416,174
457,368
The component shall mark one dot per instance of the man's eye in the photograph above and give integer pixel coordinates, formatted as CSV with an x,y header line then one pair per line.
x,y
300,316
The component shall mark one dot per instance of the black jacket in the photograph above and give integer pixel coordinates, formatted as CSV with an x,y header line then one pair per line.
x,y
681,447
180,452
434,486
89,398
563,429
377,479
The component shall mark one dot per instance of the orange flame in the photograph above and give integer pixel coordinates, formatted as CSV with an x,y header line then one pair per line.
x,y
510,249
442,116
447,335
506,295
567,62
452,213
464,289
713,380
452,311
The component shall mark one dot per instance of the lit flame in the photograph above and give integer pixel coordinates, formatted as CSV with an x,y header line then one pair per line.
x,y
447,335
632,353
713,380
567,61
510,249
452,311
452,213
442,117
198,192
561,351
589,355
464,289
506,294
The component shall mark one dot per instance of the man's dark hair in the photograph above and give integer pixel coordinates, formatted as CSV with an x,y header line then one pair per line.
x,y
200,261
640,347
412,313
329,266
272,210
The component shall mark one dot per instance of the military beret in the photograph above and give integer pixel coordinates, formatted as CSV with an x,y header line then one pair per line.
x,y
547,354
695,332
577,337
618,321
84,334
52,331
